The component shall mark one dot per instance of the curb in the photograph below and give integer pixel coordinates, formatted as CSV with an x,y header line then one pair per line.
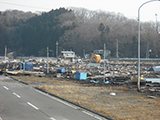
x,y
19,81
103,116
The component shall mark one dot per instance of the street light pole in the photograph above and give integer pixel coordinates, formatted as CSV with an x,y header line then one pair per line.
x,y
138,83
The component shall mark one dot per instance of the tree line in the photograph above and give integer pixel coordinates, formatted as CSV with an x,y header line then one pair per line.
x,y
75,29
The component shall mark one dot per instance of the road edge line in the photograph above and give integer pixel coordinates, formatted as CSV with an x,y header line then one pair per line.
x,y
94,112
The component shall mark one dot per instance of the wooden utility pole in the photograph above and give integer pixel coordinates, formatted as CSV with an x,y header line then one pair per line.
x,y
117,49
5,52
104,63
47,60
57,49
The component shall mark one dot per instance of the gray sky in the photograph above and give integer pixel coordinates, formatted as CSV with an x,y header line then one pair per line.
x,y
128,8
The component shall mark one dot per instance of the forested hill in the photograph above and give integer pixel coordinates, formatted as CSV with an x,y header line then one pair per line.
x,y
78,29
43,31
10,21
32,36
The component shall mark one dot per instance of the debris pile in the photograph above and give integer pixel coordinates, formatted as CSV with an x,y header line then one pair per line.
x,y
116,73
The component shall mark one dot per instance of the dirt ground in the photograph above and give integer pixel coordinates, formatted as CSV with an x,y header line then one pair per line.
x,y
116,102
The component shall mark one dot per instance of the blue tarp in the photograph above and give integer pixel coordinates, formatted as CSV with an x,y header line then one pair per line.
x,y
60,70
81,76
28,65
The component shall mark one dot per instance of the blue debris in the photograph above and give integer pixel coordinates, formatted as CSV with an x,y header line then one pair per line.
x,y
81,76
94,81
60,70
107,82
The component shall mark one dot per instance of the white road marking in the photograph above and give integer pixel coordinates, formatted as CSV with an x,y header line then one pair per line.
x,y
65,103
70,105
6,88
52,118
16,95
32,106
98,117
57,99
90,114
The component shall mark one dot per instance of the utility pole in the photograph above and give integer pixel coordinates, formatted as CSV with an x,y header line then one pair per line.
x,y
117,49
5,52
156,24
47,60
57,49
84,53
104,63
147,52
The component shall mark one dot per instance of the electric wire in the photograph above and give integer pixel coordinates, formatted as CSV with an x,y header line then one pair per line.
x,y
23,5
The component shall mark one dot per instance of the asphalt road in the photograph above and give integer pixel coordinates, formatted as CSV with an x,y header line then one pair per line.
x,y
23,102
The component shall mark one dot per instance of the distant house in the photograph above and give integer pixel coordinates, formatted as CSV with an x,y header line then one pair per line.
x,y
2,57
68,55
155,68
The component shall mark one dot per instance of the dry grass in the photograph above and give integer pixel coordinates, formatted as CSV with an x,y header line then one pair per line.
x,y
36,80
126,105
123,106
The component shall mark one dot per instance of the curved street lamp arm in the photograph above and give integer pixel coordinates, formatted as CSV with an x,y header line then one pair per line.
x,y
138,83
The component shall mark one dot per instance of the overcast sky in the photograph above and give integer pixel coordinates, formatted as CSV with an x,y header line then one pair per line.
x,y
128,8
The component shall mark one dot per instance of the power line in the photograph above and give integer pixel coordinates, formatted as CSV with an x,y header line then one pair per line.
x,y
23,5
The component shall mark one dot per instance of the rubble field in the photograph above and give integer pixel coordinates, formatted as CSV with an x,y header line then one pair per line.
x,y
115,101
